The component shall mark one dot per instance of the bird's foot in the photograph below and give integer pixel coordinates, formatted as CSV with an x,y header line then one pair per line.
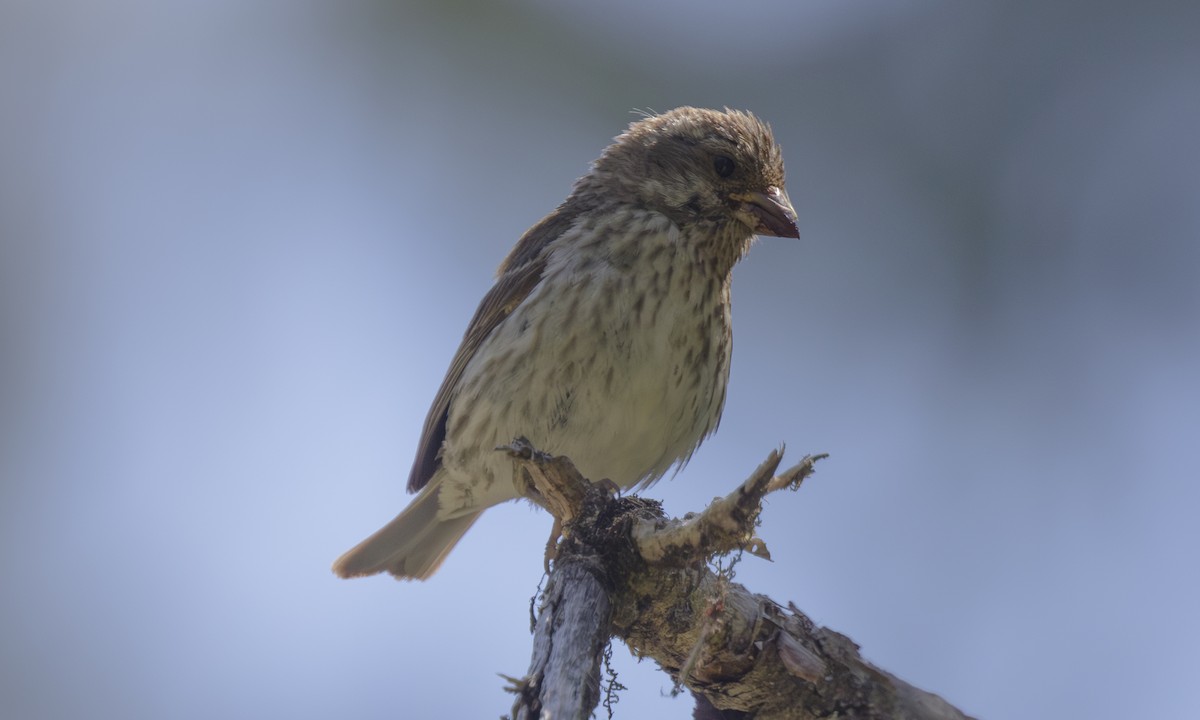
x,y
609,486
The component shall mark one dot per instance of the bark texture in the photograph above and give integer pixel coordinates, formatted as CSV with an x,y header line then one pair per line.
x,y
624,570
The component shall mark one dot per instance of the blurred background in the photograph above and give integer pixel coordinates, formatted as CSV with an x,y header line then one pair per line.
x,y
239,243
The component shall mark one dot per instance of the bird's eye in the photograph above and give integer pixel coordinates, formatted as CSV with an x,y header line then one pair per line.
x,y
724,166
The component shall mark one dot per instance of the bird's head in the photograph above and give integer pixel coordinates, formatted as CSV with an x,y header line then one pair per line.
x,y
710,167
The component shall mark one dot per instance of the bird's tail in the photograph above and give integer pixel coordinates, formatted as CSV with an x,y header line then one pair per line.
x,y
411,546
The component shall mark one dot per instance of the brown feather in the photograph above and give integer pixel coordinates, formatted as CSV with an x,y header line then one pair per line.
x,y
519,275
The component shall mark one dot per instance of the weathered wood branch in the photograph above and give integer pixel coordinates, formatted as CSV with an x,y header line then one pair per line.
x,y
572,633
741,654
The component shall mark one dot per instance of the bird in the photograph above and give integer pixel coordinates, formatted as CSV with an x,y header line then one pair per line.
x,y
607,335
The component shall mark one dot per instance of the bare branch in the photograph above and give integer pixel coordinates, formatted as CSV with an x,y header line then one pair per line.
x,y
725,525
572,632
738,652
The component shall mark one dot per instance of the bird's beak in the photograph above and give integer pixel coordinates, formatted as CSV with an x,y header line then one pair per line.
x,y
768,213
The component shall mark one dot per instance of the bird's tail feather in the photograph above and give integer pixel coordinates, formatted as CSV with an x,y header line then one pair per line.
x,y
411,546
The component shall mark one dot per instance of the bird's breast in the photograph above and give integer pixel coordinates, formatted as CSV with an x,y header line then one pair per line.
x,y
618,359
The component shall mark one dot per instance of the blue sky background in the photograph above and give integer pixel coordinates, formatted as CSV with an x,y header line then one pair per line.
x,y
239,243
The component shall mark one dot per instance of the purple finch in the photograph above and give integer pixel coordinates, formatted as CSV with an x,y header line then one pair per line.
x,y
607,335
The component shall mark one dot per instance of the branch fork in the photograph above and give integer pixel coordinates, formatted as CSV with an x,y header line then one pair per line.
x,y
625,570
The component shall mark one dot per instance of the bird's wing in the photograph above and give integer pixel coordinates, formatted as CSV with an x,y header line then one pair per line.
x,y
519,275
